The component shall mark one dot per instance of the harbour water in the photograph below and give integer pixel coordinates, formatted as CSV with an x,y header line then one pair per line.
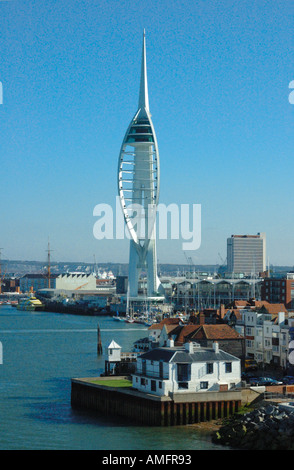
x,y
42,351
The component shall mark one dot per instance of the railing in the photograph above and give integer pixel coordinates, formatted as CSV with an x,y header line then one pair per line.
x,y
152,375
279,396
129,355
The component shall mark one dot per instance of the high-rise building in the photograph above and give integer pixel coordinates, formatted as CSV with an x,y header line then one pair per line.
x,y
246,254
138,188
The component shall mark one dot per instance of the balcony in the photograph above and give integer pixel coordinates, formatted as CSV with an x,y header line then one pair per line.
x,y
152,374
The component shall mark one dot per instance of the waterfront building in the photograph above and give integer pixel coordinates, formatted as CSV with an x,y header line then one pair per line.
x,y
119,362
185,369
138,188
34,282
212,293
246,254
67,282
9,284
79,281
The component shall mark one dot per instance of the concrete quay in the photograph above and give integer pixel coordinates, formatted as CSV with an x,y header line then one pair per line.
x,y
176,409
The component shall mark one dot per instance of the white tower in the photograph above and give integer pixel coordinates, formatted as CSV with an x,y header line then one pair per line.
x,y
138,187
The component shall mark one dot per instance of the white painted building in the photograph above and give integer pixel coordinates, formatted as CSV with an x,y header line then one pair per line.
x,y
76,281
190,368
114,352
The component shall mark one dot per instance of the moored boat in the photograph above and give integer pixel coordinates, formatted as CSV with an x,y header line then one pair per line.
x,y
31,303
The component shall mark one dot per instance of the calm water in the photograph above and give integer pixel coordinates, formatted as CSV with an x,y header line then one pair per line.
x,y
41,353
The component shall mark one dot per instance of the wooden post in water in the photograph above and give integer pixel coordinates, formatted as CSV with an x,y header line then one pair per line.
x,y
99,343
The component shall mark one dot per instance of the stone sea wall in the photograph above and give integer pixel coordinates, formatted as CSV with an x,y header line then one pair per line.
x,y
266,428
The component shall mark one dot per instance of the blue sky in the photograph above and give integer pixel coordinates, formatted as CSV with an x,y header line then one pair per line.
x,y
218,75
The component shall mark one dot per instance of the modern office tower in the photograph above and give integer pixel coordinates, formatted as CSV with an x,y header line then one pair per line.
x,y
138,188
246,254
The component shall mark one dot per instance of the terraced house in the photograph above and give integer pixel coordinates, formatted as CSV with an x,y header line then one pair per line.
x,y
266,336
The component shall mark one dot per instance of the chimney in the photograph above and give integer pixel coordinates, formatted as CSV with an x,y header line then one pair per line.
x,y
189,347
216,347
171,343
201,317
222,311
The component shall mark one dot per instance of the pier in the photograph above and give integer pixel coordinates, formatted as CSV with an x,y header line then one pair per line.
x,y
152,410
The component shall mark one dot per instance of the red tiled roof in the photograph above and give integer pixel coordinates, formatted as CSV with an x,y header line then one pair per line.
x,y
166,321
274,308
215,332
170,328
182,331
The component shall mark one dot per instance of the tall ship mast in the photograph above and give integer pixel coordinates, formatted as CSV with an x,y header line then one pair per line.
x,y
49,266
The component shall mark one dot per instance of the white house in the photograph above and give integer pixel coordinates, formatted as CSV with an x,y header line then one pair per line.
x,y
190,368
159,333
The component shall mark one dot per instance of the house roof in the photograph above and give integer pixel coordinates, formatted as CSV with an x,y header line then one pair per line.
x,y
214,332
165,322
170,328
272,308
181,355
182,331
114,345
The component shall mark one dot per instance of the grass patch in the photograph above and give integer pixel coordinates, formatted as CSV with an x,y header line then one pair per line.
x,y
113,383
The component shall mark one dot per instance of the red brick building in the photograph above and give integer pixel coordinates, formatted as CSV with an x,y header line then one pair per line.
x,y
279,291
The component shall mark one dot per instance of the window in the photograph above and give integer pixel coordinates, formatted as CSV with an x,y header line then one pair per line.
x,y
161,370
228,367
183,385
203,385
141,138
184,372
159,384
209,368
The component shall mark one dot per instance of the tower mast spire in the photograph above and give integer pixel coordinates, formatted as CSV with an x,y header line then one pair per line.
x,y
143,94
